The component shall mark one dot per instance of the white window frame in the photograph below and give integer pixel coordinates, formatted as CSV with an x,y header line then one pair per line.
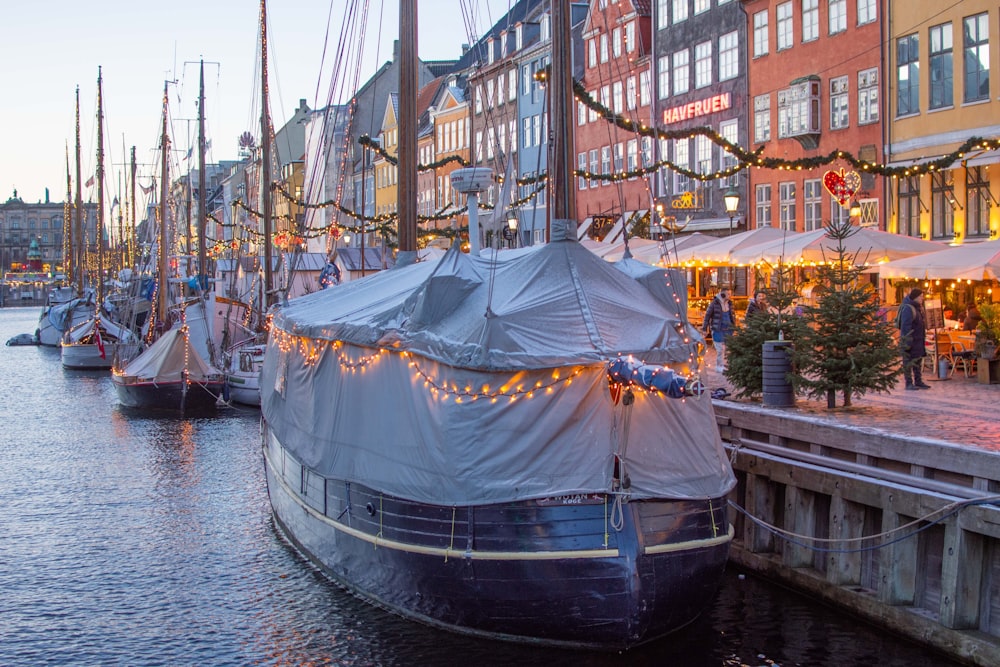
x,y
784,35
762,118
840,105
681,72
663,77
729,56
867,11
760,36
680,11
837,16
812,204
786,204
810,20
762,204
645,93
703,64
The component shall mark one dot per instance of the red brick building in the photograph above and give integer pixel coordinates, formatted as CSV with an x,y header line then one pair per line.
x,y
815,77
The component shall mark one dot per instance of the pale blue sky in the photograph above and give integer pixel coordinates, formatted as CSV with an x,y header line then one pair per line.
x,y
49,48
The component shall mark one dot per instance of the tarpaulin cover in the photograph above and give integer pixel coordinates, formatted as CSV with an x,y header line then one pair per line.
x,y
444,415
167,358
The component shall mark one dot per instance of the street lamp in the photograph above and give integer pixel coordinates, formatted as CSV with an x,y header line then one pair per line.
x,y
732,201
510,232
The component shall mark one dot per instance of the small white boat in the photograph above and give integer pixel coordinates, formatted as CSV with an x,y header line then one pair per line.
x,y
93,344
243,372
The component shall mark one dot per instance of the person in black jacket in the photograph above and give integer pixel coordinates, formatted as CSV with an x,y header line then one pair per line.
x,y
720,320
911,338
758,304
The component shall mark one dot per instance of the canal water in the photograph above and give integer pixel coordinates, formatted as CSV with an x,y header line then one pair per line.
x,y
127,539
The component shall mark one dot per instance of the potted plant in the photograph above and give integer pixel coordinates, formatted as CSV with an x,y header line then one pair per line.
x,y
988,332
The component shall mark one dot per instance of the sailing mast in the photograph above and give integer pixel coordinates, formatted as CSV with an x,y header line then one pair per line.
x,y
161,263
202,256
100,193
407,154
68,261
80,242
561,116
265,157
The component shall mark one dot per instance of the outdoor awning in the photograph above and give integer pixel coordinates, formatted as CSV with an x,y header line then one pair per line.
x,y
969,261
719,252
865,245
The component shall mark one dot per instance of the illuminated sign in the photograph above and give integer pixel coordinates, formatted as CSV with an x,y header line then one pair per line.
x,y
713,104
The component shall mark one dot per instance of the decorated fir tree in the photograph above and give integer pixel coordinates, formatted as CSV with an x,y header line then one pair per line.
x,y
847,347
744,351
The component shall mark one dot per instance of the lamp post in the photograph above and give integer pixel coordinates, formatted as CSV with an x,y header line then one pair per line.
x,y
510,231
732,201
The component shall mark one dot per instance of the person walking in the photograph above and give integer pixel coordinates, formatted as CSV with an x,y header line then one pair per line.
x,y
912,329
720,320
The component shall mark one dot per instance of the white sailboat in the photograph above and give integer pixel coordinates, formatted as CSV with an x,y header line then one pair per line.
x,y
503,445
92,344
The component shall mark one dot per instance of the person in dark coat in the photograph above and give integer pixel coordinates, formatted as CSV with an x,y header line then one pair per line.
x,y
720,320
912,329
972,318
758,304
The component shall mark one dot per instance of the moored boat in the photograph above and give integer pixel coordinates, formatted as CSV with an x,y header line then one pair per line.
x,y
512,445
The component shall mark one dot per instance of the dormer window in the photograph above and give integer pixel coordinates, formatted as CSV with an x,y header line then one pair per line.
x,y
503,43
519,37
490,57
546,28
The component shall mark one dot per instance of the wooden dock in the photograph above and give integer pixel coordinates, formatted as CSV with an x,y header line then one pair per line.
x,y
901,530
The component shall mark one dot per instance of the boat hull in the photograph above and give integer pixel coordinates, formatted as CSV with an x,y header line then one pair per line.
x,y
87,356
243,389
554,571
179,396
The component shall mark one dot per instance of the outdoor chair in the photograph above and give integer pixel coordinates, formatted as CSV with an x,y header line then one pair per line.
x,y
962,355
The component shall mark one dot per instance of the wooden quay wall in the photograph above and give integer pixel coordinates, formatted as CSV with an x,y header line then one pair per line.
x,y
932,574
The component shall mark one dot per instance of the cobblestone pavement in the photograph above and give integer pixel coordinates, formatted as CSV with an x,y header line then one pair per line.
x,y
958,410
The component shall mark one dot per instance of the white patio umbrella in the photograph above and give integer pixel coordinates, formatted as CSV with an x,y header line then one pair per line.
x,y
969,261
866,245
719,252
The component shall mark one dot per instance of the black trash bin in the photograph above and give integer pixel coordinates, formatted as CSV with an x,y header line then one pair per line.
x,y
777,360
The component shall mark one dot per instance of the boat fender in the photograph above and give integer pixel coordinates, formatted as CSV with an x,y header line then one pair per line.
x,y
371,509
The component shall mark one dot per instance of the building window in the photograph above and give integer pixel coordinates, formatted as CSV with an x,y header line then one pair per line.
x,y
604,48
798,110
605,163
977,58
632,155
868,96
837,16
647,151
616,42
662,14
630,37
760,46
581,113
942,204
702,6
526,132
703,154
762,118
682,158
786,199
663,77
619,158
730,131
630,96
783,15
763,201
682,76
908,75
581,164
591,114
512,85
729,56
810,20
839,215
812,200
941,66
703,65
617,97
594,166
977,202
909,205
839,103
867,11
645,97
680,10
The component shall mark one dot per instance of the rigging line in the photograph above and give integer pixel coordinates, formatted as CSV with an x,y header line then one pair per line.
x,y
796,539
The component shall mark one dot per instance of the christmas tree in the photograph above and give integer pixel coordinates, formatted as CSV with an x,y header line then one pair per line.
x,y
847,347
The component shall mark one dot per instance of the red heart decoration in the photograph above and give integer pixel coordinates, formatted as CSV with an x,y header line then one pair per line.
x,y
842,186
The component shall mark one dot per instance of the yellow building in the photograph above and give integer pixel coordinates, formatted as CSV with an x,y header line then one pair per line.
x,y
943,88
386,172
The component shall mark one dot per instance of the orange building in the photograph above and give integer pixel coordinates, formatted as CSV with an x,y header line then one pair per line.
x,y
815,76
